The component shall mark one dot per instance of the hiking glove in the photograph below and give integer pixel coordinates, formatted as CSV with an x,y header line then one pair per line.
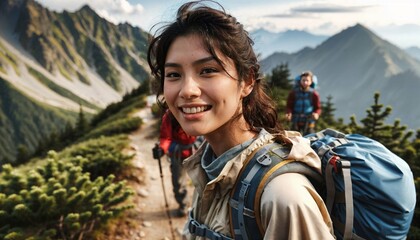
x,y
158,152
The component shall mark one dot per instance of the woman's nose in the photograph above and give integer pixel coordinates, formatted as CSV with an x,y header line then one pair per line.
x,y
190,88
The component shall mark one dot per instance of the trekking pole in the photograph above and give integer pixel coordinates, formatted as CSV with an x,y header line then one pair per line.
x,y
157,156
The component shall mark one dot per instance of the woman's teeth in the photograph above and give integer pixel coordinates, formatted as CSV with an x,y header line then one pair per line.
x,y
193,109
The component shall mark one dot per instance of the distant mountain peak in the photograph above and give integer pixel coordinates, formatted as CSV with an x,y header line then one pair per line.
x,y
358,29
357,34
359,25
295,31
78,47
267,42
86,8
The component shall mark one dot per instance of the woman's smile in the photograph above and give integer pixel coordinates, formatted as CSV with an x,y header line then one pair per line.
x,y
191,110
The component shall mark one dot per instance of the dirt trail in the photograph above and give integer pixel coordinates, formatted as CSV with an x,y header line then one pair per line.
x,y
149,219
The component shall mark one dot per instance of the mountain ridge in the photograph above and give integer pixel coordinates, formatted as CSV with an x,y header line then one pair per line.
x,y
266,42
78,49
57,64
414,52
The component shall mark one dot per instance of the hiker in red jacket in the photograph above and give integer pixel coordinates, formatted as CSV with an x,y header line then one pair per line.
x,y
303,104
178,145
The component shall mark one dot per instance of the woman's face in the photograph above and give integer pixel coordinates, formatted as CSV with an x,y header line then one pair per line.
x,y
199,92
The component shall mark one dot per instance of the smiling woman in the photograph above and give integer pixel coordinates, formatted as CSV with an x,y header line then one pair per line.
x,y
199,82
208,77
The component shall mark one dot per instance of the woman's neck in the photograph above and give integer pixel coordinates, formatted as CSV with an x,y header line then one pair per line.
x,y
229,135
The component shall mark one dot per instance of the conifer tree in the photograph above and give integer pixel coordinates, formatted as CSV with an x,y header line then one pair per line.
x,y
328,111
374,123
399,143
395,137
416,145
353,126
415,163
67,135
279,82
280,76
327,118
415,168
82,123
22,154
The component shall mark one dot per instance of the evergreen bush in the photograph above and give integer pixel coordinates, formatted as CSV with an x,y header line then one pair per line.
x,y
57,201
125,125
105,155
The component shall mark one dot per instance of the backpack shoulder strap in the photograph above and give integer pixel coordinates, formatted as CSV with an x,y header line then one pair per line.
x,y
311,95
263,165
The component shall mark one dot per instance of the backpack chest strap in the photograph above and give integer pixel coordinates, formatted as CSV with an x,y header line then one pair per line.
x,y
198,229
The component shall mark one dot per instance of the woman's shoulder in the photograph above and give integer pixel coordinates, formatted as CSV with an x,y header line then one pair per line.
x,y
290,201
289,189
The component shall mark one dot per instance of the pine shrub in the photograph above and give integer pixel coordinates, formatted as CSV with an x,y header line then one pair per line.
x,y
57,201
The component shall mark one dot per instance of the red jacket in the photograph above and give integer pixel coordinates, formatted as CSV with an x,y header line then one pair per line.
x,y
169,136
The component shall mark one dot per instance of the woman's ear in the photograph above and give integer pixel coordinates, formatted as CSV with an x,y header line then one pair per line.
x,y
248,86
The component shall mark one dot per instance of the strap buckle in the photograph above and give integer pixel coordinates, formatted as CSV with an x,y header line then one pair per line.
x,y
264,160
195,228
335,162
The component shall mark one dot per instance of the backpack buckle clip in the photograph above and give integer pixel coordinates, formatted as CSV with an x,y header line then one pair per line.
x,y
335,162
264,160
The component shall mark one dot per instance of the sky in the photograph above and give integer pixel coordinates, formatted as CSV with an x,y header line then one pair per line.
x,y
397,21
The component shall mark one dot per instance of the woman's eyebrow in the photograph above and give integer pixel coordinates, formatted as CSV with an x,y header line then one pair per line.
x,y
203,60
196,62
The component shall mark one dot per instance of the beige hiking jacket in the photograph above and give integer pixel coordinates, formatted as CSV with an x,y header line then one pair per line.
x,y
290,206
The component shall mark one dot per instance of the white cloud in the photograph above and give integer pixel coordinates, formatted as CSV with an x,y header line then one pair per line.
x,y
120,7
62,5
115,11
115,6
316,16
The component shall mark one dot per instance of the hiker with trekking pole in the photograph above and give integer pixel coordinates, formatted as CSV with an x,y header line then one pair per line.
x,y
177,145
303,104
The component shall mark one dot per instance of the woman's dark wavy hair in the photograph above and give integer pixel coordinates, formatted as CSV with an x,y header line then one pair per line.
x,y
221,31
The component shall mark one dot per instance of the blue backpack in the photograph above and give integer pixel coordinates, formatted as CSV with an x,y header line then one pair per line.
x,y
368,190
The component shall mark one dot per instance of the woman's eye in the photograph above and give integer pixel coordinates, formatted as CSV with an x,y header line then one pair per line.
x,y
172,75
208,70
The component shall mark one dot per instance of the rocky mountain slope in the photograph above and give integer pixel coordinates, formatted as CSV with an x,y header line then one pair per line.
x,y
53,64
65,59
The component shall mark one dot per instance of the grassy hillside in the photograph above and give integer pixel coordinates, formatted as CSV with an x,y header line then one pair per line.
x,y
24,122
72,192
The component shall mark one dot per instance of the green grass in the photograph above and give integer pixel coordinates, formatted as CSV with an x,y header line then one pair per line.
x,y
9,58
60,90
